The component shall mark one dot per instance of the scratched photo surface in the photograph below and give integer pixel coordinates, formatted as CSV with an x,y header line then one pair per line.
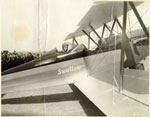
x,y
74,58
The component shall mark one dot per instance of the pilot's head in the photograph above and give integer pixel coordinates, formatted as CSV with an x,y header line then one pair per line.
x,y
65,47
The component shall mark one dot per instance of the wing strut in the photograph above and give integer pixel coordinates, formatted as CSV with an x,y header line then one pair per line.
x,y
100,39
89,42
105,25
89,37
112,28
139,19
74,40
122,45
119,23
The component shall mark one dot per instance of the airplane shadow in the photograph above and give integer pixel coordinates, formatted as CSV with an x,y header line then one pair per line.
x,y
89,108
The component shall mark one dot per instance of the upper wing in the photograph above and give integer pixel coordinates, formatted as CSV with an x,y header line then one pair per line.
x,y
98,14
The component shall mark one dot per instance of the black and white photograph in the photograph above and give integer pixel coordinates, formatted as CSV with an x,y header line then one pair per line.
x,y
75,58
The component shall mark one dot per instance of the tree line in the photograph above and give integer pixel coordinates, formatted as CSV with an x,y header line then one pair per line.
x,y
12,59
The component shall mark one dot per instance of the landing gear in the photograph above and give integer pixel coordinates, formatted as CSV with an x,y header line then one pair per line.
x,y
138,66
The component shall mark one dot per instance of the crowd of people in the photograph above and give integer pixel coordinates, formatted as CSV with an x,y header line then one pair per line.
x,y
12,59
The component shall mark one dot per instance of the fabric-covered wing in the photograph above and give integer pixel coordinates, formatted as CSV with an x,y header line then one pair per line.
x,y
98,14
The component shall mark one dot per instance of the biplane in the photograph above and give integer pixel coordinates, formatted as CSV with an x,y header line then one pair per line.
x,y
100,72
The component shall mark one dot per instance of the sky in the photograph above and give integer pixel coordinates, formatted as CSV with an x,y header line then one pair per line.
x,y
30,24
41,25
